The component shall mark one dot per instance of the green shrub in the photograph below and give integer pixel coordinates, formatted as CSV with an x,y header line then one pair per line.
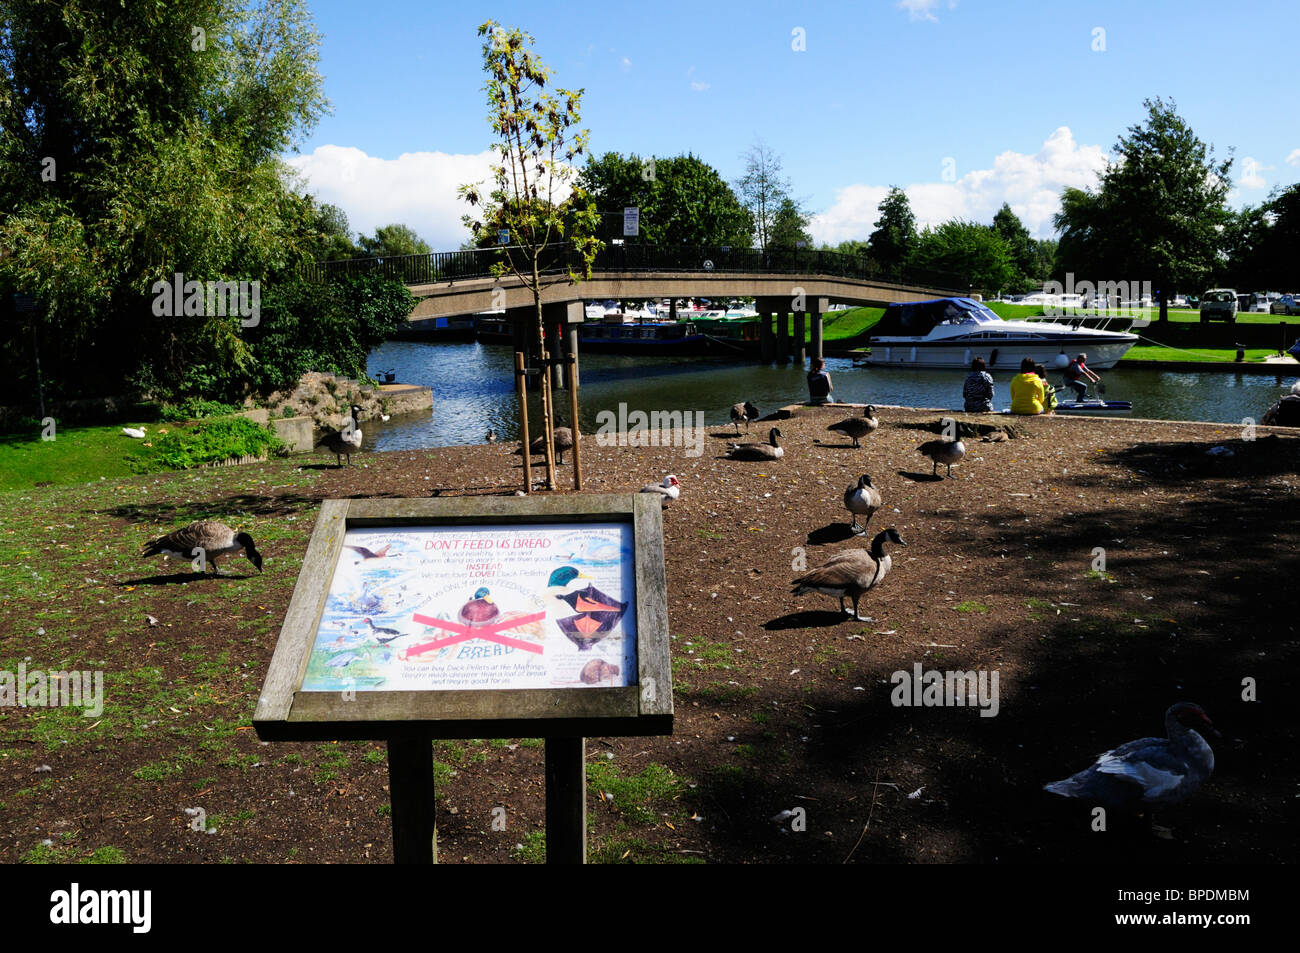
x,y
212,442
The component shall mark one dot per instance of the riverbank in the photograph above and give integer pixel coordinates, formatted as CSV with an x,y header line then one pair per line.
x,y
780,702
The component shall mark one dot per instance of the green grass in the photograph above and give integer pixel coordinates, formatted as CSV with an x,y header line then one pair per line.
x,y
1145,353
640,798
532,850
971,607
75,455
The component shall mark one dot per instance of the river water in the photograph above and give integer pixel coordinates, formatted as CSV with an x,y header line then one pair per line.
x,y
473,390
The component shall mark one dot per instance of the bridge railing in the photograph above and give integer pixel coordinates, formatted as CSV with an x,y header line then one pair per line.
x,y
479,262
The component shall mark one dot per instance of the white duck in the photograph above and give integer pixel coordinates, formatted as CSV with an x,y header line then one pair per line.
x,y
669,489
1149,772
136,433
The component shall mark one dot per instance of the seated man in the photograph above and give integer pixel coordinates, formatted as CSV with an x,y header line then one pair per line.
x,y
1027,390
977,392
1285,412
819,383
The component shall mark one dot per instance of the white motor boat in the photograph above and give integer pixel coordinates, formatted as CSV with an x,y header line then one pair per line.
x,y
951,332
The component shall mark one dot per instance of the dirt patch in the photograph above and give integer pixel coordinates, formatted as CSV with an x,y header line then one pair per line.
x,y
1104,570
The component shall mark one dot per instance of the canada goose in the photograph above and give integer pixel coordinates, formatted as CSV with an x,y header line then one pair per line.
x,y
669,489
135,432
743,411
858,427
1149,772
563,441
862,499
946,452
758,451
492,436
343,442
851,573
210,538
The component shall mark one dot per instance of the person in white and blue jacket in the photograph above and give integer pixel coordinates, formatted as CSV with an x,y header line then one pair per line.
x,y
978,389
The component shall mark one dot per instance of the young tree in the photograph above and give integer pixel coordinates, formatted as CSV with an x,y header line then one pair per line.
x,y
528,197
895,236
762,189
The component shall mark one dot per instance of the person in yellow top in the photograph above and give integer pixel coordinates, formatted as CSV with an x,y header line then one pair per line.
x,y
1027,390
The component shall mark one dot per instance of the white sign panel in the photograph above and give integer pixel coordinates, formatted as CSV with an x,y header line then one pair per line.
x,y
631,221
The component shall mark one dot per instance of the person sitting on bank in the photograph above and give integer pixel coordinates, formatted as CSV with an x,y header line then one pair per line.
x,y
1049,392
1027,390
819,383
977,392
1285,412
1076,376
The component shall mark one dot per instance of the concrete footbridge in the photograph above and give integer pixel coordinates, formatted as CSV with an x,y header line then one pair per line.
x,y
799,282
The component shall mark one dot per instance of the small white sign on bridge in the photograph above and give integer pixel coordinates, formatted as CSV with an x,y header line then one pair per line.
x,y
631,221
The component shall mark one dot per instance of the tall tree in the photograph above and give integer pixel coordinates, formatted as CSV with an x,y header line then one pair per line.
x,y
1159,211
391,241
895,236
1261,243
762,190
331,235
969,249
138,141
1007,224
683,200
537,151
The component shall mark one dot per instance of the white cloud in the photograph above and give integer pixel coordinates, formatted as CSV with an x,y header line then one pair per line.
x,y
1294,157
416,189
922,9
699,87
1031,184
1250,173
626,63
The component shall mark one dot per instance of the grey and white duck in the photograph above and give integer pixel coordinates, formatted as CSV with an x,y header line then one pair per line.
x,y
771,450
858,427
206,537
862,499
852,573
1149,772
669,489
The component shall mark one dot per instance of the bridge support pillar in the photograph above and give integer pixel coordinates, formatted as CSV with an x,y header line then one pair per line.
x,y
571,376
523,323
766,345
553,348
798,338
819,306
783,335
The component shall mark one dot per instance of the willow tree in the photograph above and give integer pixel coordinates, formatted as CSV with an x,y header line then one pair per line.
x,y
533,197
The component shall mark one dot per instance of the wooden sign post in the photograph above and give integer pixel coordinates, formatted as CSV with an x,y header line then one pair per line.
x,y
476,618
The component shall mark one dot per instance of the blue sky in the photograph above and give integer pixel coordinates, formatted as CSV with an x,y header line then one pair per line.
x,y
966,104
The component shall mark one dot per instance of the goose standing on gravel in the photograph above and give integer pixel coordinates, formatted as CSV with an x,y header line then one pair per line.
x,y
758,451
342,443
744,411
669,489
210,538
862,499
858,427
851,573
563,441
946,452
1149,772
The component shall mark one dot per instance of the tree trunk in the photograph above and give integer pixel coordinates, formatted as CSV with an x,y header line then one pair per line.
x,y
548,412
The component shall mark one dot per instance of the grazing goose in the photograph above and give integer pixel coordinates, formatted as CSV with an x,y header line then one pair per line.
x,y
851,573
862,499
343,442
858,427
746,412
1149,772
137,433
669,489
946,452
213,539
563,441
758,451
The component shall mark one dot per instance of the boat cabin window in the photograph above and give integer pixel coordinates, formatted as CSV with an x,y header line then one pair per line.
x,y
916,319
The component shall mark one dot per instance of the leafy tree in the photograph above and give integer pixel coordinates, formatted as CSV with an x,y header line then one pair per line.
x,y
331,236
966,248
1261,242
895,238
683,200
1045,250
1158,212
138,141
1023,254
789,226
763,191
536,153
392,241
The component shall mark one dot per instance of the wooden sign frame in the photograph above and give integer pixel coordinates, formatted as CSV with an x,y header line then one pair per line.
x,y
286,713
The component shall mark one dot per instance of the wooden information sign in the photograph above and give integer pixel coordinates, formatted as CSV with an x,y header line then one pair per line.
x,y
416,619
